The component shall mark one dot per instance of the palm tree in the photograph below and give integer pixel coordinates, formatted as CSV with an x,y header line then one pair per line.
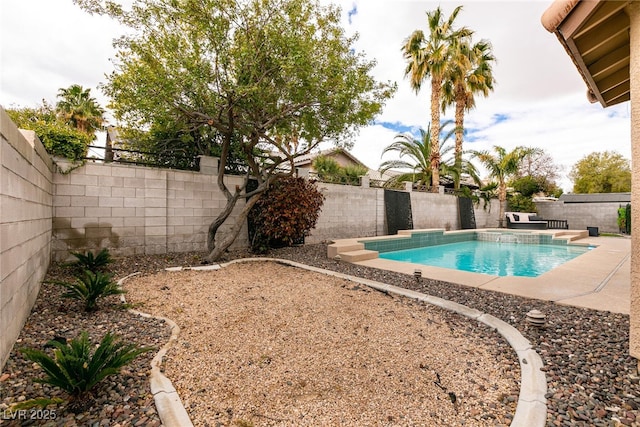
x,y
78,109
418,154
455,170
501,165
470,72
429,57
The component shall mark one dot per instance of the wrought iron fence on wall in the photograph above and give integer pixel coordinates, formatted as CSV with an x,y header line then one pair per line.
x,y
336,179
143,158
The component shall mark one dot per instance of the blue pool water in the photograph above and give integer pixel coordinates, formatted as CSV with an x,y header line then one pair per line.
x,y
498,259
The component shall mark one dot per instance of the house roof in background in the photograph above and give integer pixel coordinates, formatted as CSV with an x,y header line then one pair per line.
x,y
307,159
595,34
596,198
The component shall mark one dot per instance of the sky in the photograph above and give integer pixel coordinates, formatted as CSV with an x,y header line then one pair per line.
x,y
539,98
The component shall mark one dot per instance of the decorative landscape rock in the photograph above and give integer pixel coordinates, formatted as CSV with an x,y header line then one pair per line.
x,y
592,380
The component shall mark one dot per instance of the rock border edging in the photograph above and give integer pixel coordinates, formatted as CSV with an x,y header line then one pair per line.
x,y
531,409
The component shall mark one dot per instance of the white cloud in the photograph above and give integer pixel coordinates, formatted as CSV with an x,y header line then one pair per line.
x,y
46,45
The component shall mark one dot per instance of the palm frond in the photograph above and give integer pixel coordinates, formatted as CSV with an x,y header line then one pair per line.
x,y
74,369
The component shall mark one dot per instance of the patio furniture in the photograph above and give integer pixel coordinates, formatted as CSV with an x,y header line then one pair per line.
x,y
558,224
525,220
531,221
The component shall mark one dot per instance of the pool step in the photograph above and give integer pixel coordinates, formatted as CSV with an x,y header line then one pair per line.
x,y
341,247
358,255
571,235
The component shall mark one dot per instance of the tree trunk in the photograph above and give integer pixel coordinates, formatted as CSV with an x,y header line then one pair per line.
x,y
218,249
502,197
436,84
460,106
215,225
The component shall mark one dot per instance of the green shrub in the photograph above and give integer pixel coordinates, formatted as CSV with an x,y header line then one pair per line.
x,y
58,138
329,170
285,213
622,219
519,203
92,262
352,173
90,287
76,370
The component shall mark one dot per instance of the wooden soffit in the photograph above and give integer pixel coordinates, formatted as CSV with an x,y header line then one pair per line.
x,y
595,34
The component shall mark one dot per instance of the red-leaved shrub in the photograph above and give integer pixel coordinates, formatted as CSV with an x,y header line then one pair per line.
x,y
285,213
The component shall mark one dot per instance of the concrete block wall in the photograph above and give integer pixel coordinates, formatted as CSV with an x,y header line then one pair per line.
x,y
434,210
349,211
136,210
431,210
487,217
583,215
26,193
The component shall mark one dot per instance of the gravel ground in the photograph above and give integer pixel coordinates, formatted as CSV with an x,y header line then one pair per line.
x,y
271,345
592,380
120,400
591,377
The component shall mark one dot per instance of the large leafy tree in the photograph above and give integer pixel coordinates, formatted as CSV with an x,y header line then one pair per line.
x,y
502,165
77,108
429,56
601,172
470,72
539,173
275,77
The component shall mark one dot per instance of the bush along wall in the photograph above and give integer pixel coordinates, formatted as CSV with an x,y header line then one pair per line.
x,y
285,214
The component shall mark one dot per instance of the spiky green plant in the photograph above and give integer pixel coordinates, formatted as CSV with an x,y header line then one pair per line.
x,y
76,370
91,287
92,262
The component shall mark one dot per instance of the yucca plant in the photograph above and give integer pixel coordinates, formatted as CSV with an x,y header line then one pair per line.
x,y
92,262
90,287
76,370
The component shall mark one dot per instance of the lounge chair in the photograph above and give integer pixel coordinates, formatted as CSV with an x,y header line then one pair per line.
x,y
525,220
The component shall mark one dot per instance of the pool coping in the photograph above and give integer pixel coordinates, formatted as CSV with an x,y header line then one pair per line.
x,y
599,279
531,409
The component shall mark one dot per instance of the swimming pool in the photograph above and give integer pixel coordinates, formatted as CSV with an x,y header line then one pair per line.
x,y
491,257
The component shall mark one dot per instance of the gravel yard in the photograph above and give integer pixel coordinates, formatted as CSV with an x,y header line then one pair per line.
x,y
267,344
592,380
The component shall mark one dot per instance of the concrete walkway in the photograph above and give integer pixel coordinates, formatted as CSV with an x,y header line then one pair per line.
x,y
599,279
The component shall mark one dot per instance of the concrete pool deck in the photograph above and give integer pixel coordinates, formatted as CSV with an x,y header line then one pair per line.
x,y
599,279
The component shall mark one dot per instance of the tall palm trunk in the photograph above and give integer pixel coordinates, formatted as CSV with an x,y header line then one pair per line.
x,y
502,198
436,84
461,102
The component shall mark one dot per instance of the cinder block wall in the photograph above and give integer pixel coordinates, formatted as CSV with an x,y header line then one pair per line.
x,y
432,210
137,210
583,215
349,211
487,217
26,193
